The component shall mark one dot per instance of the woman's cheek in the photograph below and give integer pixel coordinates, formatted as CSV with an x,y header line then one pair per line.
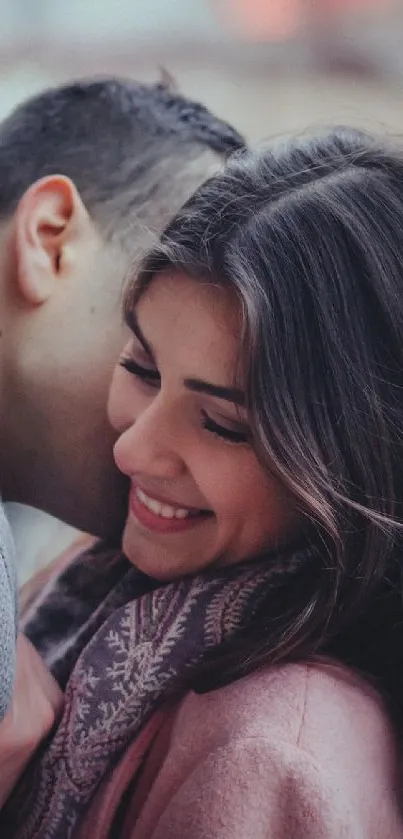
x,y
127,400
224,478
117,406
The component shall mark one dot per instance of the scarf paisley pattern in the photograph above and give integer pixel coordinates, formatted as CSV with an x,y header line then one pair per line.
x,y
121,646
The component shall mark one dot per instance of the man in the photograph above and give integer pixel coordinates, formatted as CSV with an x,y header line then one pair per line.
x,y
88,172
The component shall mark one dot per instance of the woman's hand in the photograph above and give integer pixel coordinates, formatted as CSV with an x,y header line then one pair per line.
x,y
37,703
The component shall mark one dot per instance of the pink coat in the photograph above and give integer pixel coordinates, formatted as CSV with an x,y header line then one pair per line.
x,y
295,752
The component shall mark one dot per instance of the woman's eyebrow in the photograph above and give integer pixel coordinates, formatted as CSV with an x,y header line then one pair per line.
x,y
231,394
133,324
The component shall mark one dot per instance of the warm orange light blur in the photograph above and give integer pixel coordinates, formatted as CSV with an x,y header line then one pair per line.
x,y
280,19
261,19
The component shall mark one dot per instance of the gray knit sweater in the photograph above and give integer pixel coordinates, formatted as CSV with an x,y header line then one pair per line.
x,y
8,613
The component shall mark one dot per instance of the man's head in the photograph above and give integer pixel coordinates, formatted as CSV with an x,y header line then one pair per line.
x,y
88,173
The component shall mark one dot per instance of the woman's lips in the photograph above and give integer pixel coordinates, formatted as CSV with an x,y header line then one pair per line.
x,y
162,517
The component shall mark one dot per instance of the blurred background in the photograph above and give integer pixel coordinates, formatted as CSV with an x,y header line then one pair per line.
x,y
268,66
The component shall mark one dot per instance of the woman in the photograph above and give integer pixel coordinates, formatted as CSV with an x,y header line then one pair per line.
x,y
243,676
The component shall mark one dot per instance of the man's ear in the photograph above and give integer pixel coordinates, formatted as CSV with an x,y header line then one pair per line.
x,y
52,229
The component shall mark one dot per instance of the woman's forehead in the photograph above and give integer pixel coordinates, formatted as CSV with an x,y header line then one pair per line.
x,y
201,318
182,297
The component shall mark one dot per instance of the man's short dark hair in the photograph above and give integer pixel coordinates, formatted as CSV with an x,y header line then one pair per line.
x,y
131,149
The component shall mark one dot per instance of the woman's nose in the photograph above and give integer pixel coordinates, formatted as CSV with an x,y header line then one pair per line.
x,y
151,445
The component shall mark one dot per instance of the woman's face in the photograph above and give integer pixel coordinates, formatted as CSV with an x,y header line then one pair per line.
x,y
199,496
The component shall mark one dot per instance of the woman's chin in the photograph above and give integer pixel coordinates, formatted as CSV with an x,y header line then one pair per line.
x,y
163,568
146,561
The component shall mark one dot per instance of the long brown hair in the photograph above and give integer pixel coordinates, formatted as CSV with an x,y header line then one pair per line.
x,y
310,238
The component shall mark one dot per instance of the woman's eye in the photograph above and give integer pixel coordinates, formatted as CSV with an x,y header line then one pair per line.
x,y
147,374
229,434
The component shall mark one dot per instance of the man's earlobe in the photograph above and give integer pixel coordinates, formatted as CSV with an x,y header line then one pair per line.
x,y
50,221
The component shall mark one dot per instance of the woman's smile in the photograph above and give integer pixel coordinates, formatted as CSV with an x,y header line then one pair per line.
x,y
162,516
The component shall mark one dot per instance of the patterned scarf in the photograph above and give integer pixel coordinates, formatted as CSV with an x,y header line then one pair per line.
x,y
122,647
